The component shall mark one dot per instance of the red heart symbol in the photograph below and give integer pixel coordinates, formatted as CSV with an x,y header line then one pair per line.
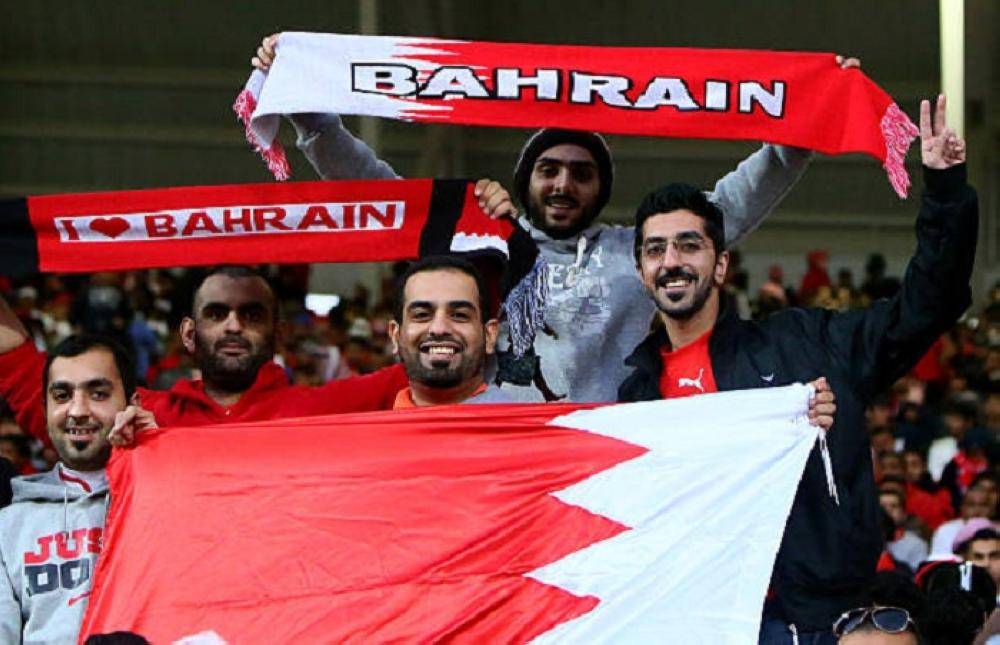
x,y
110,226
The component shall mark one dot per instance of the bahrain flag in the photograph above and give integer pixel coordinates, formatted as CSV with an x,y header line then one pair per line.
x,y
477,523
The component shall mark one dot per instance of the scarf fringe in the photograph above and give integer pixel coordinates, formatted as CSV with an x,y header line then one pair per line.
x,y
898,132
525,307
273,155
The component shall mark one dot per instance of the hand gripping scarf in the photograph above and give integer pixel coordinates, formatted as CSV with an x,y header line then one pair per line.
x,y
789,98
323,221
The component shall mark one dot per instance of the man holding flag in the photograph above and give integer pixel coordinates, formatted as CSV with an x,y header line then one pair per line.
x,y
832,540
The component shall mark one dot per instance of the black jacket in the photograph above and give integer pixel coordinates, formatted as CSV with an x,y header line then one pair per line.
x,y
828,553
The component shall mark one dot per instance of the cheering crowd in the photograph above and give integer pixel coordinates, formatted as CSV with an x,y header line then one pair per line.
x,y
901,544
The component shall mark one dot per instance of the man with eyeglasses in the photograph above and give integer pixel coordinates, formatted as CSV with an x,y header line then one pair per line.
x,y
833,538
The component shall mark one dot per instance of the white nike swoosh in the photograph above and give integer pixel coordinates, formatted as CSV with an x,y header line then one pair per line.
x,y
767,377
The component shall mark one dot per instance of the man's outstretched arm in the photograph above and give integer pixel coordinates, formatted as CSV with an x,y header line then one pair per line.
x,y
882,342
749,193
334,152
21,367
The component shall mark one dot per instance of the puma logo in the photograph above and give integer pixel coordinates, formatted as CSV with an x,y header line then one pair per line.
x,y
692,382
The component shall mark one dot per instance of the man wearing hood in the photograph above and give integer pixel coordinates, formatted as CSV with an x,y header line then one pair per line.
x,y
597,309
52,533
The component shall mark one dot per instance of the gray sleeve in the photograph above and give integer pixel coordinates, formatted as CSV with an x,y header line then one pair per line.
x,y
10,608
749,193
334,152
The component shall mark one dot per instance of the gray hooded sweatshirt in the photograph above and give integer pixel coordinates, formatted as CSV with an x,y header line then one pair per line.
x,y
50,537
598,308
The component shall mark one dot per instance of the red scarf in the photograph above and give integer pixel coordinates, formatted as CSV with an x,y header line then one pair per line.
x,y
790,98
324,221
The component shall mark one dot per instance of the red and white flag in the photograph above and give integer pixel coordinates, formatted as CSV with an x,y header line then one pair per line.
x,y
552,523
794,98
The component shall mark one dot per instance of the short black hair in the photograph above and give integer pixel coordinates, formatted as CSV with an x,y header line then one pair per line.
x,y
673,197
442,263
82,343
235,271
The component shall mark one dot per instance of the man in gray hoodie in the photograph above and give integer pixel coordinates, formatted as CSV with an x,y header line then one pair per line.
x,y
597,310
52,533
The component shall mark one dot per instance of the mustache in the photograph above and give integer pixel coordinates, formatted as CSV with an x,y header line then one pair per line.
x,y
431,337
563,198
90,426
673,274
236,341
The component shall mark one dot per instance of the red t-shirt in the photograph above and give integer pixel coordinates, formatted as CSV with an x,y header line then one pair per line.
x,y
688,370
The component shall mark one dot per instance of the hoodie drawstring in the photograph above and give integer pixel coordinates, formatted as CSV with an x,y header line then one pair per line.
x,y
824,451
65,513
573,273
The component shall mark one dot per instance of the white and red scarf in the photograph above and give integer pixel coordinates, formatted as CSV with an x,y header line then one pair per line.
x,y
790,98
323,221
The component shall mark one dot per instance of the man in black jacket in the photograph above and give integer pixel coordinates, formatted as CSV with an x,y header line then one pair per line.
x,y
832,539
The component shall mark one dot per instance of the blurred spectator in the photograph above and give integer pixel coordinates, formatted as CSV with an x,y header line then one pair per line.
x,y
891,465
881,412
971,443
773,294
924,497
976,504
978,542
960,597
17,450
958,417
934,368
358,350
882,441
816,276
906,546
737,284
103,308
989,483
916,425
876,284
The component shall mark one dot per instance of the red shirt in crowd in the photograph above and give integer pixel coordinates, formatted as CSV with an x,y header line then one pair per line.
x,y
934,509
688,370
186,404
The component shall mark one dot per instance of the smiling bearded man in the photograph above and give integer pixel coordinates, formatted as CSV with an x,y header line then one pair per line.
x,y
833,536
52,534
444,329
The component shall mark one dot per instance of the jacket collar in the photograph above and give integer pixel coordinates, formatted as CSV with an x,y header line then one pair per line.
x,y
646,357
270,377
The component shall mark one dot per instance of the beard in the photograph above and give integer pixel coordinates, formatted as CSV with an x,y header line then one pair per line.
x,y
536,215
87,455
677,308
442,374
232,374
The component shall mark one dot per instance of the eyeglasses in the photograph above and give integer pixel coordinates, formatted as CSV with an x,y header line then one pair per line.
x,y
891,620
655,248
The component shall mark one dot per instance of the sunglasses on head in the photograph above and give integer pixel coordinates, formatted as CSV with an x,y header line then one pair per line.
x,y
891,620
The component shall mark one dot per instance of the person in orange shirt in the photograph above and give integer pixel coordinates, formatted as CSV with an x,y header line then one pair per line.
x,y
444,329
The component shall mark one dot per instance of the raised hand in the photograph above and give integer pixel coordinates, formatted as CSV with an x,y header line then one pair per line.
x,y
129,421
848,62
940,146
494,199
823,405
265,53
